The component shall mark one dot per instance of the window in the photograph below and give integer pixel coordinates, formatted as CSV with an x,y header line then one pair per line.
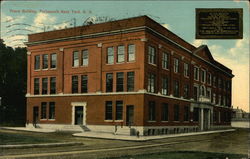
x,y
109,82
219,82
186,91
186,70
203,91
176,65
36,86
43,110
224,100
75,62
131,52
130,81
229,86
203,76
74,84
53,61
120,54
45,61
119,110
219,100
196,93
84,84
208,94
164,116
108,110
176,89
52,85
85,57
196,73
186,113
214,98
119,81
51,110
44,85
110,55
214,81
151,82
151,111
151,55
164,89
209,78
176,112
196,114
37,62
165,59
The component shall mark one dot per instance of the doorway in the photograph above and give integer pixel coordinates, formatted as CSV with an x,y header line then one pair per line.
x,y
130,115
78,115
35,115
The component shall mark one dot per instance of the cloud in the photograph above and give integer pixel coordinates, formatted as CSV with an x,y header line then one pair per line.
x,y
240,83
41,21
237,59
199,42
166,26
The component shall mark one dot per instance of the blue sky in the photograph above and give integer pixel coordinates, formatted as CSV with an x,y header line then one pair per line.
x,y
179,17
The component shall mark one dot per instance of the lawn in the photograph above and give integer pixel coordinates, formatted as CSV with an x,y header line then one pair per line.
x,y
183,155
13,138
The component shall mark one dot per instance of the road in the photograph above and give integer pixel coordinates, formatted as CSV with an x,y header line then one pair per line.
x,y
229,142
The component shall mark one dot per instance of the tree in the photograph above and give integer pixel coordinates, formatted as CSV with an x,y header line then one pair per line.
x,y
13,76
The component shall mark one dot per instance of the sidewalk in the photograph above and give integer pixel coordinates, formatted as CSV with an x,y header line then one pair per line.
x,y
142,138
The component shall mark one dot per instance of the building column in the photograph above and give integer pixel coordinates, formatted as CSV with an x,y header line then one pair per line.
x,y
209,117
201,118
29,73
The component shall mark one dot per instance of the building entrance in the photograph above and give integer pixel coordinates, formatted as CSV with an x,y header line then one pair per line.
x,y
130,115
78,115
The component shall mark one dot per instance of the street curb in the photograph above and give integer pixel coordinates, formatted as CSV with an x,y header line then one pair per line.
x,y
148,138
40,145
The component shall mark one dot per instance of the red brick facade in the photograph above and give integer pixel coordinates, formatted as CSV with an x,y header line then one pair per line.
x,y
150,41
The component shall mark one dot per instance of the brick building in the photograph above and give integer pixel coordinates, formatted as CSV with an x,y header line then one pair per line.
x,y
125,76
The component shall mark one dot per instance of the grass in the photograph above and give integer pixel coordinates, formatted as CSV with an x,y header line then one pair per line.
x,y
19,138
183,155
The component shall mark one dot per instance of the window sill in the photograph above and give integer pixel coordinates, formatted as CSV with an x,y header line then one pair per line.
x,y
120,62
84,66
131,61
151,121
165,69
118,120
51,119
43,119
37,70
45,69
108,120
109,63
186,76
164,121
74,67
153,64
52,69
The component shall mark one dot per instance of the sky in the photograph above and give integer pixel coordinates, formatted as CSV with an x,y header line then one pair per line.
x,y
19,18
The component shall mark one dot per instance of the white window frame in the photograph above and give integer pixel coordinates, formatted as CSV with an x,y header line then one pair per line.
x,y
186,69
203,78
151,55
196,69
85,61
209,79
120,54
165,60
176,65
131,53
